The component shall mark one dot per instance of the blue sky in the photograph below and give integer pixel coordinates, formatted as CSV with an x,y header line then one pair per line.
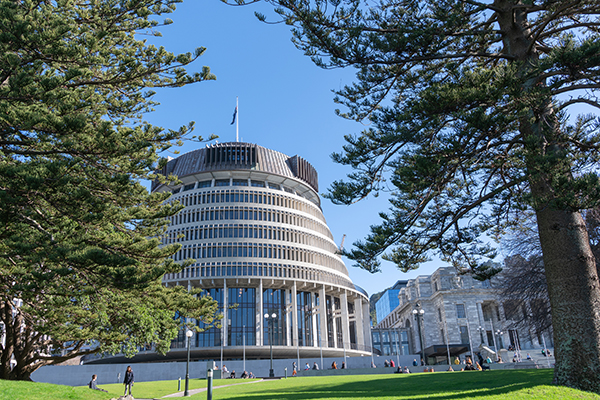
x,y
285,103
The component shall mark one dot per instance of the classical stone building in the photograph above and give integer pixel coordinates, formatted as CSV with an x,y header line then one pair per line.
x,y
253,223
445,308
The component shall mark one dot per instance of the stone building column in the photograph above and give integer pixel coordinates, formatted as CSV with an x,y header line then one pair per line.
x,y
482,336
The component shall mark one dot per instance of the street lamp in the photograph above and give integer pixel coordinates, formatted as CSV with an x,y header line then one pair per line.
x,y
189,335
271,318
418,313
481,330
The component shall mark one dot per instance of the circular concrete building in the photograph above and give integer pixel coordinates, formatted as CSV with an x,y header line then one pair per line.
x,y
254,224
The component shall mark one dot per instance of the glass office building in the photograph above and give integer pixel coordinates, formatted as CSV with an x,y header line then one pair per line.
x,y
254,226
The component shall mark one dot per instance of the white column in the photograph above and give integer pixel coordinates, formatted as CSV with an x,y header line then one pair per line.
x,y
259,314
358,317
367,326
313,320
345,321
294,313
323,316
288,317
225,306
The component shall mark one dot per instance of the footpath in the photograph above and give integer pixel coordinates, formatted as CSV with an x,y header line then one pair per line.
x,y
191,392
194,391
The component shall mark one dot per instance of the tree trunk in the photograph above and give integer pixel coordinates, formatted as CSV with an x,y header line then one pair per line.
x,y
568,260
575,297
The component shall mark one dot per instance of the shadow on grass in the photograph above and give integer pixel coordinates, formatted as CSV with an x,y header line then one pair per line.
x,y
441,386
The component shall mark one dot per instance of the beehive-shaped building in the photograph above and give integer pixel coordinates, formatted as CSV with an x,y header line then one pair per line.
x,y
254,224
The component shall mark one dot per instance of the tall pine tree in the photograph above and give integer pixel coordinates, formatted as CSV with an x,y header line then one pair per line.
x,y
80,251
468,105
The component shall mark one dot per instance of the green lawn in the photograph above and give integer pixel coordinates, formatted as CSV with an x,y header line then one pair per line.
x,y
489,385
11,390
150,390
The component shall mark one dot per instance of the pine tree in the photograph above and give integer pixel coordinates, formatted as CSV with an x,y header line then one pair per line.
x,y
80,236
468,107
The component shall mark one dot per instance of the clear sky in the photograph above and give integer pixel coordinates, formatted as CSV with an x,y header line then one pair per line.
x,y
285,104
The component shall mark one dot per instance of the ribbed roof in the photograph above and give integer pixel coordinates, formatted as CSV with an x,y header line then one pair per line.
x,y
241,156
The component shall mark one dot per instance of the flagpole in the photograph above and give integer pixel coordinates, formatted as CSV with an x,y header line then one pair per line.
x,y
237,121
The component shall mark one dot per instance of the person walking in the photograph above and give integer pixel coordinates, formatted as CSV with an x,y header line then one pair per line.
x,y
294,368
128,381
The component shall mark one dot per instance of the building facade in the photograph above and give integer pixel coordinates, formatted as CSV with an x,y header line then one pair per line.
x,y
253,223
446,312
388,300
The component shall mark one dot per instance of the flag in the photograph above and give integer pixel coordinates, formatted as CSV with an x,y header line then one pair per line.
x,y
234,115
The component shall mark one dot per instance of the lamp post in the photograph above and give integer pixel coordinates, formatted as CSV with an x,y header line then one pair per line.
x,y
418,313
189,335
271,318
481,330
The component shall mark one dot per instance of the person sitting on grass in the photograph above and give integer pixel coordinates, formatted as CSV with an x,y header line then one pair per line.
x,y
244,375
93,385
232,375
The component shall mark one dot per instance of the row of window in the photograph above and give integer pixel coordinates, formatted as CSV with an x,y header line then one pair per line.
x,y
248,196
234,231
393,342
258,250
204,270
248,214
232,182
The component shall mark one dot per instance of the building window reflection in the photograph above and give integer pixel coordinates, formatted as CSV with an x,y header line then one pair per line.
x,y
274,302
241,317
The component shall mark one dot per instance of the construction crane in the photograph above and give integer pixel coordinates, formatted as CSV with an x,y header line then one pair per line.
x,y
342,244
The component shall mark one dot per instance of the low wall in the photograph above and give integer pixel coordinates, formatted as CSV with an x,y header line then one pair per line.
x,y
80,375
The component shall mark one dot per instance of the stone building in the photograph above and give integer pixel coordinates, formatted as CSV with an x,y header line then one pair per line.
x,y
446,308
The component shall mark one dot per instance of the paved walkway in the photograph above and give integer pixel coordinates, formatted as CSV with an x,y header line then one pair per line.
x,y
194,391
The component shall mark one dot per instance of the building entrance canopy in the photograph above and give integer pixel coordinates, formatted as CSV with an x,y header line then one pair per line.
x,y
441,350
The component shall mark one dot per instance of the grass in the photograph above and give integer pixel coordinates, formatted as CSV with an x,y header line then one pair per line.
x,y
150,390
492,385
17,390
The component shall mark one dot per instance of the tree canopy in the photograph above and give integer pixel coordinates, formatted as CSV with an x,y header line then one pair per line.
x,y
468,106
81,256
